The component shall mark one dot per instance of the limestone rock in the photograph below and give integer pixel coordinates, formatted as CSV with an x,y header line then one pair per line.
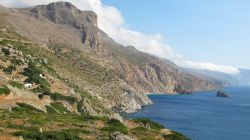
x,y
119,136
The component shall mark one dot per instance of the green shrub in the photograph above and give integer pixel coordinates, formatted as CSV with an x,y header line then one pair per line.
x,y
14,126
57,96
32,70
59,107
50,110
42,89
4,90
33,74
37,79
51,135
40,96
16,84
16,62
9,69
23,107
114,125
152,124
175,136
6,51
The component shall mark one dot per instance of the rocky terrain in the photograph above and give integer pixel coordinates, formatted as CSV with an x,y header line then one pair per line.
x,y
55,60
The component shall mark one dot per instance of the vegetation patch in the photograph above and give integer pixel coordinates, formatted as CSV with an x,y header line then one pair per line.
x,y
114,125
59,107
26,108
16,84
175,136
9,69
4,90
15,126
16,61
57,96
6,51
42,89
52,135
51,110
148,122
33,74
144,133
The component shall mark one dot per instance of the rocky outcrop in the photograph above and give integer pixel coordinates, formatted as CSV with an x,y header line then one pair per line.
x,y
119,136
67,14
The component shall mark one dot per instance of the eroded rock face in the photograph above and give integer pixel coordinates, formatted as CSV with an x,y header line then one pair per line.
x,y
119,136
67,14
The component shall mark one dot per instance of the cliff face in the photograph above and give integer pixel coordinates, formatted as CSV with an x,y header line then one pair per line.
x,y
67,14
117,76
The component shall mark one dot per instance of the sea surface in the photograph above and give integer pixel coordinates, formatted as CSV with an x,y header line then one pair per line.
x,y
203,116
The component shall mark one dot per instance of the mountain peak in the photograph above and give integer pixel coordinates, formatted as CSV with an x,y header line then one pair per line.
x,y
65,13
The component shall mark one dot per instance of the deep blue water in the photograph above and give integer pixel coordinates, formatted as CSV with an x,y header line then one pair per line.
x,y
203,116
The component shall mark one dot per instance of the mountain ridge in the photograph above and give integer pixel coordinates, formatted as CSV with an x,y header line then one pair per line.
x,y
70,80
73,36
237,79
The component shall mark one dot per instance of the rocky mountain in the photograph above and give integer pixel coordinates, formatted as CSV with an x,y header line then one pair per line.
x,y
118,76
56,63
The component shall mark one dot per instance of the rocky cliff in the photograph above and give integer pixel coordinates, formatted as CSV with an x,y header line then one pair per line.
x,y
116,76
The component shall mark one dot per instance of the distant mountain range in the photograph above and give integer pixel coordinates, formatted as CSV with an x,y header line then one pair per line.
x,y
239,79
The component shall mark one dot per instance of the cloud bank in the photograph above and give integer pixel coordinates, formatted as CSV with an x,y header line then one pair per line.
x,y
110,20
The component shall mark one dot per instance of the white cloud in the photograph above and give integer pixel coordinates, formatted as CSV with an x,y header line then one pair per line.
x,y
111,21
208,66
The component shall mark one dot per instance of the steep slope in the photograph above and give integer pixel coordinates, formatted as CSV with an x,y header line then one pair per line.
x,y
63,23
45,93
83,73
117,76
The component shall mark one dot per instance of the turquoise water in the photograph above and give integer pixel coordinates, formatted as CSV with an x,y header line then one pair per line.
x,y
203,116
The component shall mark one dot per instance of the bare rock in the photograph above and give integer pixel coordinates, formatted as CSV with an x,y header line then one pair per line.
x,y
119,136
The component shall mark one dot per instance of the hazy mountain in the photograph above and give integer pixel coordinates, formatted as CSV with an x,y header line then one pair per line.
x,y
240,79
243,77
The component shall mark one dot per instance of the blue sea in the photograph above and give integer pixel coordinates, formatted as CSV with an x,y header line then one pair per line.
x,y
203,116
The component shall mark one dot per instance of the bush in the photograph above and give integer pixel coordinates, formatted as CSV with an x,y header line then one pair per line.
x,y
37,79
9,69
51,135
16,62
57,96
114,125
4,90
33,74
23,107
59,107
50,110
40,96
32,70
42,89
175,136
152,124
6,51
14,126
16,84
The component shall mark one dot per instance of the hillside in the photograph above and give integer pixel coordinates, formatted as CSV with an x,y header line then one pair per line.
x,y
38,103
56,62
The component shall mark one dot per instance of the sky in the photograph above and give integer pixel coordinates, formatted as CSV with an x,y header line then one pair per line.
x,y
207,34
